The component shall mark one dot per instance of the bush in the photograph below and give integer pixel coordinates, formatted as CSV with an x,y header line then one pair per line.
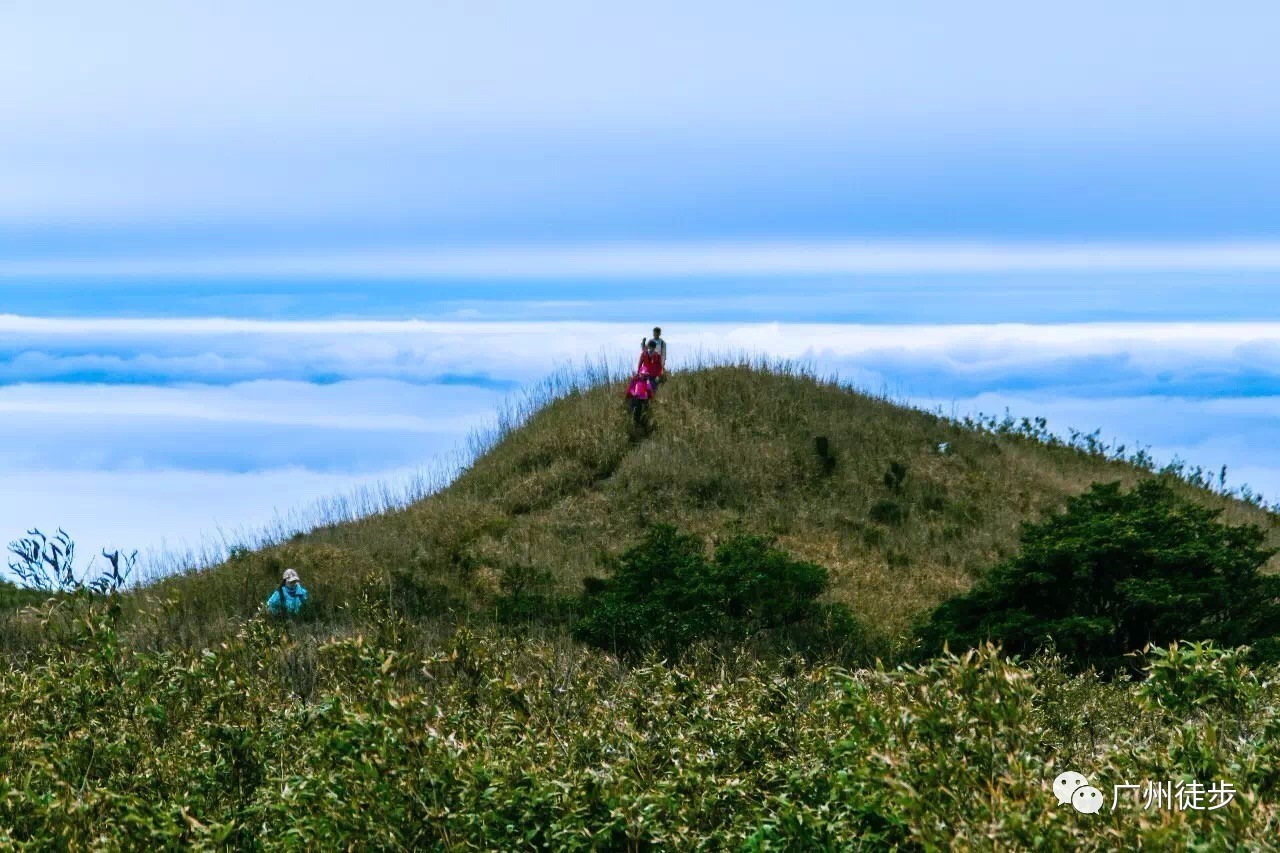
x,y
666,595
528,596
1118,571
1187,678
895,475
13,597
826,456
888,512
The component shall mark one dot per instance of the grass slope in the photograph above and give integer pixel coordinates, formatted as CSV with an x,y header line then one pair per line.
x,y
731,449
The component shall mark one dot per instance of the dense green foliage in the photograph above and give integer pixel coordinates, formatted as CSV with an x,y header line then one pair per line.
x,y
1117,571
13,596
285,739
666,595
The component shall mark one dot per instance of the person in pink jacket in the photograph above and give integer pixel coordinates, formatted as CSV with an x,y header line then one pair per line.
x,y
639,392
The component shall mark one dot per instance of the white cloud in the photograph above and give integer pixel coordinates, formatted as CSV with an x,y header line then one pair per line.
x,y
343,427
1105,358
650,260
174,510
361,405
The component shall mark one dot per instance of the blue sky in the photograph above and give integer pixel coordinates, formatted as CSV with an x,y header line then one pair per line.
x,y
171,128
255,254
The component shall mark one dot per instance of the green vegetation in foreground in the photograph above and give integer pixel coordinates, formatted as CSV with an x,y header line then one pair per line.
x,y
387,740
434,697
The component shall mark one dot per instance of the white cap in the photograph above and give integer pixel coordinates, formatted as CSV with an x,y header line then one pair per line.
x,y
290,576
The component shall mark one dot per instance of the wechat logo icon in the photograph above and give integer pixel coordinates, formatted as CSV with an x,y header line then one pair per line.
x,y
1072,787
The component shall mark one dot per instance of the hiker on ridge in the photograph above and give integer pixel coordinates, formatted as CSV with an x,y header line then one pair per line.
x,y
638,395
662,345
662,353
650,364
289,597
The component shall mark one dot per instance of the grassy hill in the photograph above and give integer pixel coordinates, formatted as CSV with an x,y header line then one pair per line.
x,y
731,449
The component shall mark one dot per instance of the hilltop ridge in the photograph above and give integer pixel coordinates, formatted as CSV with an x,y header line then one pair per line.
x,y
906,509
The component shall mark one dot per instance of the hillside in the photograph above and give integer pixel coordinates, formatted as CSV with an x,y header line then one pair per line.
x,y
731,449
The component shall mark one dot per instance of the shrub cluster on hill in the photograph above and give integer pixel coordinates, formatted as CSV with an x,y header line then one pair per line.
x,y
1117,571
666,595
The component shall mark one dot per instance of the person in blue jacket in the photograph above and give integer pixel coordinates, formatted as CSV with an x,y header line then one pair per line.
x,y
289,597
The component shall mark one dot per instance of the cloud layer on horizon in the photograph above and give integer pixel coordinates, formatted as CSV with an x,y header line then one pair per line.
x,y
649,260
1087,359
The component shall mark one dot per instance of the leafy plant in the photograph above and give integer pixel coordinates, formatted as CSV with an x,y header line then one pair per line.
x,y
48,565
1189,677
280,740
826,455
895,475
666,594
528,596
887,512
1115,572
13,596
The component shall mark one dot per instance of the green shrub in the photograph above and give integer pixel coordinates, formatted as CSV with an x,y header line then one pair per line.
x,y
888,512
47,564
421,596
1187,678
831,632
666,595
826,456
895,475
1118,571
528,596
934,498
13,597
873,537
